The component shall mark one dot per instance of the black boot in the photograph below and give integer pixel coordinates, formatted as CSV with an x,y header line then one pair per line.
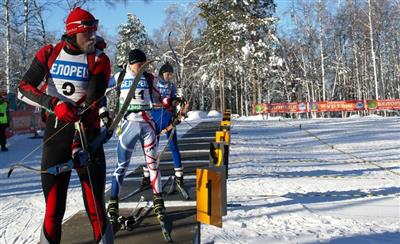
x,y
179,176
179,180
113,210
145,181
4,148
146,178
159,208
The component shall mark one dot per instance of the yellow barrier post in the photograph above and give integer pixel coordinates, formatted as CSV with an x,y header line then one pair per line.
x,y
224,136
217,156
208,200
227,114
225,125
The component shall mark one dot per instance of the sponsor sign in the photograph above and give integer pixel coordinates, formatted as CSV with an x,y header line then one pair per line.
x,y
327,106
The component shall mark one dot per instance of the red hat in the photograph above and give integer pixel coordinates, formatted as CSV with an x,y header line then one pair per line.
x,y
80,20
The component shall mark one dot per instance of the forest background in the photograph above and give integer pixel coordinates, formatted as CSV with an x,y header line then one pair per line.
x,y
234,53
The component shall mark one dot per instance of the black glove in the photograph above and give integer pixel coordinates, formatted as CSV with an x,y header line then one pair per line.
x,y
106,119
80,158
176,101
108,136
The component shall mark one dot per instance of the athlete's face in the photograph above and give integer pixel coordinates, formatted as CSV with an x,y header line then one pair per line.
x,y
167,76
86,41
135,67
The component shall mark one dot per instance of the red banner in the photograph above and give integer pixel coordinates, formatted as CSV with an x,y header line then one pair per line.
x,y
289,107
336,106
389,104
327,106
25,121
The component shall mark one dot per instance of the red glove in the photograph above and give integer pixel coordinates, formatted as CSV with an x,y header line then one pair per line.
x,y
66,112
166,101
167,104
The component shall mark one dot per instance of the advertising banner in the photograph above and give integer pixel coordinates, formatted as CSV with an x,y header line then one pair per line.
x,y
327,106
339,106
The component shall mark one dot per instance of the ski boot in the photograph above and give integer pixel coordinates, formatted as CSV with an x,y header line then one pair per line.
x,y
158,205
179,183
146,178
145,182
4,149
113,210
179,176
159,210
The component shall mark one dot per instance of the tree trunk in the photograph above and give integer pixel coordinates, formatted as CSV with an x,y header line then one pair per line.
x,y
321,49
43,29
213,99
6,9
246,100
241,96
385,89
237,98
202,98
355,57
259,93
26,28
371,36
333,90
222,89
253,77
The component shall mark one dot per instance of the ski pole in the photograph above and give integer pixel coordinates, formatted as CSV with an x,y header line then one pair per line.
x,y
82,135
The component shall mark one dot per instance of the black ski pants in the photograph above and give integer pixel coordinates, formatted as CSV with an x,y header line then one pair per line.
x,y
56,150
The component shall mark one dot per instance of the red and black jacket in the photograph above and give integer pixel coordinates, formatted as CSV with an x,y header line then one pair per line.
x,y
33,87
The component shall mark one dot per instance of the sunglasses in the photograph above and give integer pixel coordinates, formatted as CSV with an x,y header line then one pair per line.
x,y
88,23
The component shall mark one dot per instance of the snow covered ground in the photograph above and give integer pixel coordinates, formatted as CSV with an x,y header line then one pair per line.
x,y
332,180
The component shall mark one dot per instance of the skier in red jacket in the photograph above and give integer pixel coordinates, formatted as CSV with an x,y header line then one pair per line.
x,y
68,80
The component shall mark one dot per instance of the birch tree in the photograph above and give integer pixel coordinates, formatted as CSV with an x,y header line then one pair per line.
x,y
371,36
7,23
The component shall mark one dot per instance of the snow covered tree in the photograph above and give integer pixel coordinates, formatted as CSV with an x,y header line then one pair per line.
x,y
218,15
241,30
182,21
256,26
6,8
131,35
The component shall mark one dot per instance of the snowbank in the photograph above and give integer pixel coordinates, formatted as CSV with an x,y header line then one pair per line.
x,y
196,115
284,185
214,114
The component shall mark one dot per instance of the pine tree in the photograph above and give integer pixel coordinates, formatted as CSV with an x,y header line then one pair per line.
x,y
239,30
131,35
256,29
218,34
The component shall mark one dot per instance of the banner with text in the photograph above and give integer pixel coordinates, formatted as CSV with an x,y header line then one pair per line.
x,y
326,106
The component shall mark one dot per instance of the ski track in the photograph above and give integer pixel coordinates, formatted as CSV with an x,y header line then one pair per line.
x,y
21,198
